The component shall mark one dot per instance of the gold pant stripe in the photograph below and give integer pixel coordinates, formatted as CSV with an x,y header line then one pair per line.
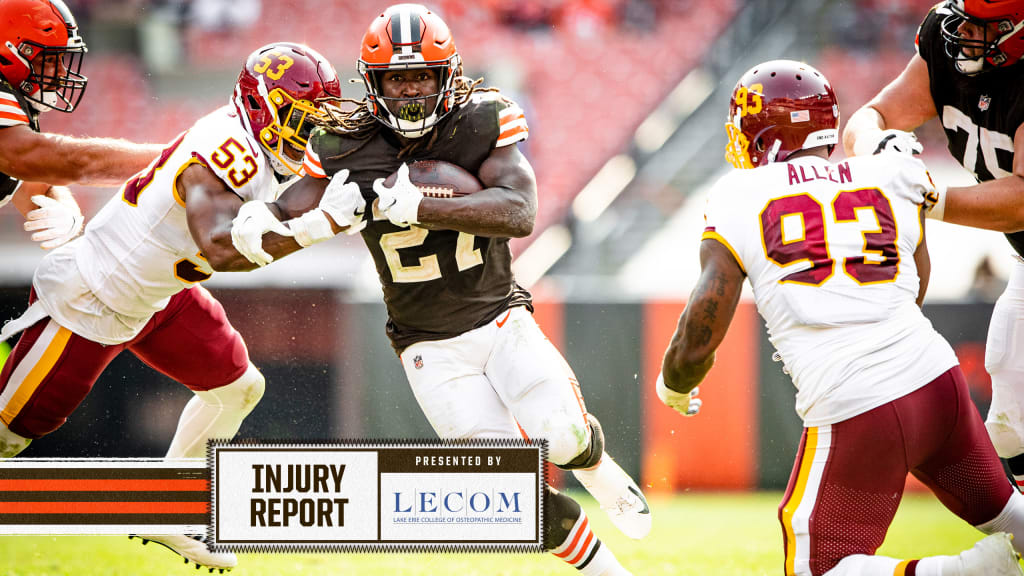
x,y
39,372
810,447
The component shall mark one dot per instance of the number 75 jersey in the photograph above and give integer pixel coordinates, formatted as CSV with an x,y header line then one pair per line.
x,y
829,252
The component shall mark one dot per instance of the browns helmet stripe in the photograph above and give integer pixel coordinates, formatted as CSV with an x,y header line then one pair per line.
x,y
405,32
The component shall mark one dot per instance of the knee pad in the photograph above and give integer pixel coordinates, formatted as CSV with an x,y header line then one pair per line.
x,y
592,454
11,444
1005,436
242,395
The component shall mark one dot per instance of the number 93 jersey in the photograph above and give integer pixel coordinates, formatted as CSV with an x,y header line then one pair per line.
x,y
829,252
137,251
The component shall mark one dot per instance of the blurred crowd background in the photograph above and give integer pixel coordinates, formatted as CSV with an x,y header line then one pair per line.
x,y
626,102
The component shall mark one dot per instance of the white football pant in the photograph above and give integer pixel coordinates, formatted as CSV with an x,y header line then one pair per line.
x,y
1004,361
502,380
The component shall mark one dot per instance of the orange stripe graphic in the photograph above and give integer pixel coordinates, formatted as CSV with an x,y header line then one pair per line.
x,y
576,539
62,485
104,507
798,495
12,116
513,132
583,550
41,370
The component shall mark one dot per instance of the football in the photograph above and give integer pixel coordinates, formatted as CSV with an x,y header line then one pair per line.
x,y
439,179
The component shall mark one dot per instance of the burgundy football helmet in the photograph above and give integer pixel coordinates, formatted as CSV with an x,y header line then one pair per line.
x,y
41,54
1004,22
276,94
778,108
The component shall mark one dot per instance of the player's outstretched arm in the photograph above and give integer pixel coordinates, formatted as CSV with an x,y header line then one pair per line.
x,y
703,324
210,207
994,205
505,208
904,104
60,160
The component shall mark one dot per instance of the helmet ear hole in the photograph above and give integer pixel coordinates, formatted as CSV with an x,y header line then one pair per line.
x,y
254,104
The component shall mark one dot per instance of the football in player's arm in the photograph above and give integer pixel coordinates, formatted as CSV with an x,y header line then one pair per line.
x,y
419,106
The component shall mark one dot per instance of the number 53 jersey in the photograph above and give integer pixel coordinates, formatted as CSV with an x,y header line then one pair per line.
x,y
137,251
829,252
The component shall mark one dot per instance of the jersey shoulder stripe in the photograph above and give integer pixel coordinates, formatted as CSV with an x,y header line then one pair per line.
x,y
711,234
311,164
11,113
512,126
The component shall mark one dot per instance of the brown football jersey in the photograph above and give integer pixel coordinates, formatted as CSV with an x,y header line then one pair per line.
x,y
437,283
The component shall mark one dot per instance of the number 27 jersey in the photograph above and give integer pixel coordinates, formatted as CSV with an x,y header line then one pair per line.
x,y
829,252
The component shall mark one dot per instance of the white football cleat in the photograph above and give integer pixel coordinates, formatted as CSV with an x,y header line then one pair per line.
x,y
193,549
619,496
991,556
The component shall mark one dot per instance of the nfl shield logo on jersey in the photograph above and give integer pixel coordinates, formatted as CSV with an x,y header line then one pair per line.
x,y
418,361
984,102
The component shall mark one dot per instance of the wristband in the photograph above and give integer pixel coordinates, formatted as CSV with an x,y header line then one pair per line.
x,y
938,210
311,227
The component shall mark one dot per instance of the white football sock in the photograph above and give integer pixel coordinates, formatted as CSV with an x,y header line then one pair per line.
x,y
216,413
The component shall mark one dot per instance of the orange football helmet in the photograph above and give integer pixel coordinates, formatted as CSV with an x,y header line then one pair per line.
x,y
41,54
778,108
403,37
1005,17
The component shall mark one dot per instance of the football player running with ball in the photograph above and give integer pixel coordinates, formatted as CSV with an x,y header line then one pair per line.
x,y
476,360
41,56
968,72
132,281
836,256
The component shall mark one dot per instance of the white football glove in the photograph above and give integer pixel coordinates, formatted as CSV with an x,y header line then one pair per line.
x,y
685,404
401,202
254,220
887,141
57,222
345,204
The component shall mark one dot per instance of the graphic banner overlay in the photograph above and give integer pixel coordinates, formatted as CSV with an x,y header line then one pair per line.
x,y
103,496
365,496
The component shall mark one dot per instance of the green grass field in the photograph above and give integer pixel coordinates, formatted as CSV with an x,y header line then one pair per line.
x,y
700,534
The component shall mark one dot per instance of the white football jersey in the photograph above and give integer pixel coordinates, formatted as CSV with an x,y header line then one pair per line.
x,y
829,252
137,251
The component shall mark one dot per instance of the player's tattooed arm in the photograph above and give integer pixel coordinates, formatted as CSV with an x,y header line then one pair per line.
x,y
703,324
505,208
210,207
